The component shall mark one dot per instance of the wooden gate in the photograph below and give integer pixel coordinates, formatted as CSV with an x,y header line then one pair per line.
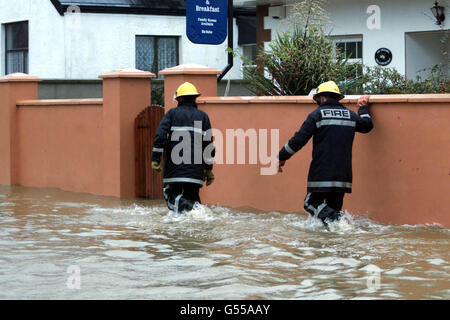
x,y
148,182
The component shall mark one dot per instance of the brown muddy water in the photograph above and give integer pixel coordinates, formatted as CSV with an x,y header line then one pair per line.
x,y
62,245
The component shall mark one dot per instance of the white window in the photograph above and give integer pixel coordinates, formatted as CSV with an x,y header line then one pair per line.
x,y
352,47
249,53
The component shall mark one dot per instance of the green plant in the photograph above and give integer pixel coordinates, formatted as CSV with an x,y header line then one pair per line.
x,y
309,13
297,62
438,80
157,93
379,80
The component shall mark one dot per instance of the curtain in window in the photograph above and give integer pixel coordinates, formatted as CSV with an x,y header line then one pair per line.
x,y
17,61
145,53
167,53
17,36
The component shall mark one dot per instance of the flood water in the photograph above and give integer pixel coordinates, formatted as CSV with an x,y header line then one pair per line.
x,y
138,250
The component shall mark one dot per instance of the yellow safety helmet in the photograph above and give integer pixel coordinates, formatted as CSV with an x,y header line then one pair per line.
x,y
328,87
186,89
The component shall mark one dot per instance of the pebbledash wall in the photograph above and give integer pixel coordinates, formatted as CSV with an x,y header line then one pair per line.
x,y
401,168
81,145
65,47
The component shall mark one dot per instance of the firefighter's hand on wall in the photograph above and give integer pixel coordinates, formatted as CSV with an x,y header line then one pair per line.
x,y
156,166
209,177
281,165
363,101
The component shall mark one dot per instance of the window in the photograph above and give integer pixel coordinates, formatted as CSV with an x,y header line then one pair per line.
x,y
247,41
351,46
249,54
16,52
154,53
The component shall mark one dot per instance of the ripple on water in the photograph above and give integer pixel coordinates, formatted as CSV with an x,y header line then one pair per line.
x,y
437,261
6,204
127,254
331,263
143,250
395,271
126,243
74,204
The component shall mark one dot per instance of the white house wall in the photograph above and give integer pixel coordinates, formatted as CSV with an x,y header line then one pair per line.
x,y
46,35
84,46
107,41
422,50
397,18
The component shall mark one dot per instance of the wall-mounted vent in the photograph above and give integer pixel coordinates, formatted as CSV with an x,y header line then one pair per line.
x,y
278,12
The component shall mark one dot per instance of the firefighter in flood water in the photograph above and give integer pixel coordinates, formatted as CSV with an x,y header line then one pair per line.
x,y
184,137
333,128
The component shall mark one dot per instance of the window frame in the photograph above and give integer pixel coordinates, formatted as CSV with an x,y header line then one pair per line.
x,y
155,57
254,47
350,38
246,66
25,50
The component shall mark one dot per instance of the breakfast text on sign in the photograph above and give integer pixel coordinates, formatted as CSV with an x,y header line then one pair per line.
x,y
206,21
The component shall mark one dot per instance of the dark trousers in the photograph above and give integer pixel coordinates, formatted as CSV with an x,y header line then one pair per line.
x,y
181,196
324,205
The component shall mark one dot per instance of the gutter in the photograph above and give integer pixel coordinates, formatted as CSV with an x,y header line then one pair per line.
x,y
62,8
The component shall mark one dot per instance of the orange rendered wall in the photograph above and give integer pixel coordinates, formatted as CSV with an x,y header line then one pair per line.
x,y
81,145
401,169
60,145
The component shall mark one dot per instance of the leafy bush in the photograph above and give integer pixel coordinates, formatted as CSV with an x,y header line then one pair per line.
x,y
437,82
296,63
379,80
157,92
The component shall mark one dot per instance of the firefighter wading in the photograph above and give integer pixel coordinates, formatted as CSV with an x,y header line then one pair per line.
x,y
184,174
333,128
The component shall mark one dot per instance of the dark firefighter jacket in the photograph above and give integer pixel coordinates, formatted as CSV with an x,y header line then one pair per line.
x,y
185,139
333,127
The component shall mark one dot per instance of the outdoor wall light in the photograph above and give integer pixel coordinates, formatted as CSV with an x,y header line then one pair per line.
x,y
438,13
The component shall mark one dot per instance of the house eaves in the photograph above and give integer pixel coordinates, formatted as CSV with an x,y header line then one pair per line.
x,y
144,7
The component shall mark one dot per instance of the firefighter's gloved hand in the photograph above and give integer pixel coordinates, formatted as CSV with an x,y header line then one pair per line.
x,y
281,164
209,177
363,101
156,166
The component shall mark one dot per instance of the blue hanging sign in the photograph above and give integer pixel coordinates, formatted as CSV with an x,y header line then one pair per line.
x,y
207,21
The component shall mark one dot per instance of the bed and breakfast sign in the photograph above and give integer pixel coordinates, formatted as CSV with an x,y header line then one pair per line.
x,y
207,21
